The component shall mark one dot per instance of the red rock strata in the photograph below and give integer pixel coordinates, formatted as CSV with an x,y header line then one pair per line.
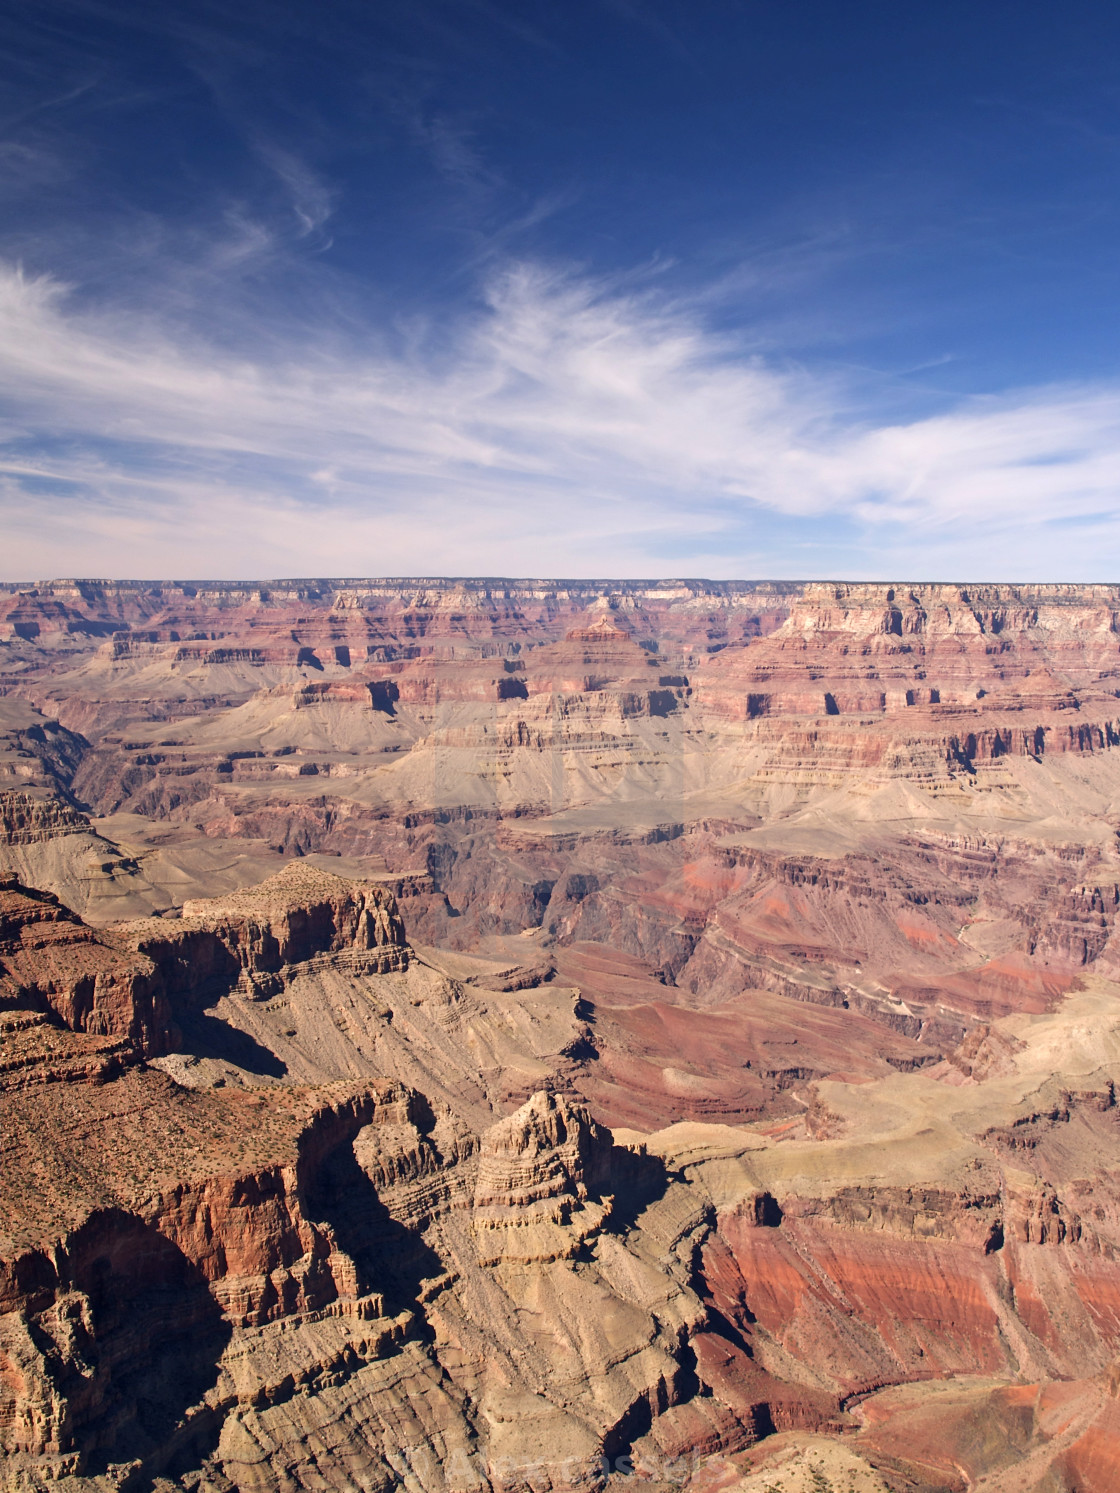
x,y
255,935
127,983
308,1180
49,959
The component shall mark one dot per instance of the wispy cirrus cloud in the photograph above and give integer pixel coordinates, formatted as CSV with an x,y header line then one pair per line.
x,y
312,200
564,424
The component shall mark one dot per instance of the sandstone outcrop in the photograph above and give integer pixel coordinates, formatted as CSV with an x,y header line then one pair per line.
x,y
703,1061
50,960
33,819
541,1176
112,1333
131,981
256,935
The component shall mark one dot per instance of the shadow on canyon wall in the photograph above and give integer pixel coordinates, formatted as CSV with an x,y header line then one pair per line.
x,y
206,1036
141,1350
390,1258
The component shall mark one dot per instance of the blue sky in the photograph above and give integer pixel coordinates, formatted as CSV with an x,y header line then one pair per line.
x,y
588,287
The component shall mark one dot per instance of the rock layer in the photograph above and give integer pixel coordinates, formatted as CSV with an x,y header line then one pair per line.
x,y
808,893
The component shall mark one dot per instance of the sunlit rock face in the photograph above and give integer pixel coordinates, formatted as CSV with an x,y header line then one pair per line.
x,y
511,1035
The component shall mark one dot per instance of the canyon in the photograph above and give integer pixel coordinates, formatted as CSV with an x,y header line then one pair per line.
x,y
538,1035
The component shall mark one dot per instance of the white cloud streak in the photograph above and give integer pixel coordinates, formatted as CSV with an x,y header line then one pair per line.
x,y
564,427
311,199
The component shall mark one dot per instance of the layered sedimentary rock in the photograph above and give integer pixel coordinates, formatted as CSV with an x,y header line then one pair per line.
x,y
113,1334
586,1026
256,935
50,960
132,982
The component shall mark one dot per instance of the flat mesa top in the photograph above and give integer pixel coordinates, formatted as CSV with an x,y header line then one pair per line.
x,y
296,883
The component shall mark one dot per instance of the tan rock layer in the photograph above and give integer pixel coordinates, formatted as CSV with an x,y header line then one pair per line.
x,y
255,935
128,983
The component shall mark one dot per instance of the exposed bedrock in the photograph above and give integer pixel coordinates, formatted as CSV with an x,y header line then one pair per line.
x,y
116,1338
713,1033
256,934
523,1301
34,819
51,961
541,1178
889,934
36,751
149,1341
112,1336
876,1286
132,981
564,1308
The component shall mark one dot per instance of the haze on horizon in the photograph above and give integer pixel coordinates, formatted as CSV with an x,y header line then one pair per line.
x,y
444,287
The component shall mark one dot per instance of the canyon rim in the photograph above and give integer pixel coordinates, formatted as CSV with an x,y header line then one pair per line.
x,y
529,1035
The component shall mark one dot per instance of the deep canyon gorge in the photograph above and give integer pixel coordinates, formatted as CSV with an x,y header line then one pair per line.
x,y
529,1035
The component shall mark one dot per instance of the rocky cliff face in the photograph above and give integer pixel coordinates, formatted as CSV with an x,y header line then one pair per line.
x,y
131,982
533,1301
703,1061
112,1335
50,961
257,935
